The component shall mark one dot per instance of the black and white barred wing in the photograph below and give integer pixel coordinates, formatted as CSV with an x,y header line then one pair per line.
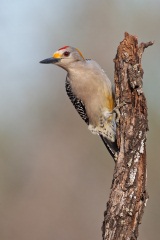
x,y
78,104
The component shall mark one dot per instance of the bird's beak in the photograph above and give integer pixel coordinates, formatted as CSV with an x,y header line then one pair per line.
x,y
50,60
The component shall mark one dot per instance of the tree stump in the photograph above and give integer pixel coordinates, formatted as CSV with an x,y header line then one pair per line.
x,y
128,194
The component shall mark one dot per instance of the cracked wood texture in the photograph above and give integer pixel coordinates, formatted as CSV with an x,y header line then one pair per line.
x,y
128,195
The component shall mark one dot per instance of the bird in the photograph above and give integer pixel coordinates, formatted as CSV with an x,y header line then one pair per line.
x,y
91,93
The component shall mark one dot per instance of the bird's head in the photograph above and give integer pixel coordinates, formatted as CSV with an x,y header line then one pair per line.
x,y
64,57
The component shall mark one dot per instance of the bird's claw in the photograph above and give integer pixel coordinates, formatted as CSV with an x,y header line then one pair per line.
x,y
116,110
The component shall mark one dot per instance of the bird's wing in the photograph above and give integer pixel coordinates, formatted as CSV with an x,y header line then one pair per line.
x,y
78,104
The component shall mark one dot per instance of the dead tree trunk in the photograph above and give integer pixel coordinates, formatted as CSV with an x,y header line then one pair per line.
x,y
128,195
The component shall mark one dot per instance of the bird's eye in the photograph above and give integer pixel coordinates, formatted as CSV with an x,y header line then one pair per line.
x,y
66,53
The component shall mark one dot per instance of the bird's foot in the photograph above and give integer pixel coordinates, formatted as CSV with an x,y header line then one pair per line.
x,y
116,110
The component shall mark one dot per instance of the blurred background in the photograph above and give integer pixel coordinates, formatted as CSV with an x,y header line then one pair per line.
x,y
55,176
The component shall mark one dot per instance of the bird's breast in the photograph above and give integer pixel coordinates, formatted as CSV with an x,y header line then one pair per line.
x,y
94,89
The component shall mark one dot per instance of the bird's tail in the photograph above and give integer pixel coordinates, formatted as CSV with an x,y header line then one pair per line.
x,y
111,146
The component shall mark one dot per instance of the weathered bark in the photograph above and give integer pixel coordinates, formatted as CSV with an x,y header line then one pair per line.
x,y
128,195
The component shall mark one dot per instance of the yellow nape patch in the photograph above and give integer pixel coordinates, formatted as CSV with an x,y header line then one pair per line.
x,y
80,53
57,55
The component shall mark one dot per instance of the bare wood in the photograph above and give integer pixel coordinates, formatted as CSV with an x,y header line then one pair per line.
x,y
128,195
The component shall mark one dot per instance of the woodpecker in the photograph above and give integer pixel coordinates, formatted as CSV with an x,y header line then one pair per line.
x,y
90,91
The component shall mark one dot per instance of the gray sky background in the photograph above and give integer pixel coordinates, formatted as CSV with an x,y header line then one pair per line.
x,y
55,175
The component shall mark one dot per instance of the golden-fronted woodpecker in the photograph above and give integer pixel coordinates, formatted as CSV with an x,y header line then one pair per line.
x,y
90,91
